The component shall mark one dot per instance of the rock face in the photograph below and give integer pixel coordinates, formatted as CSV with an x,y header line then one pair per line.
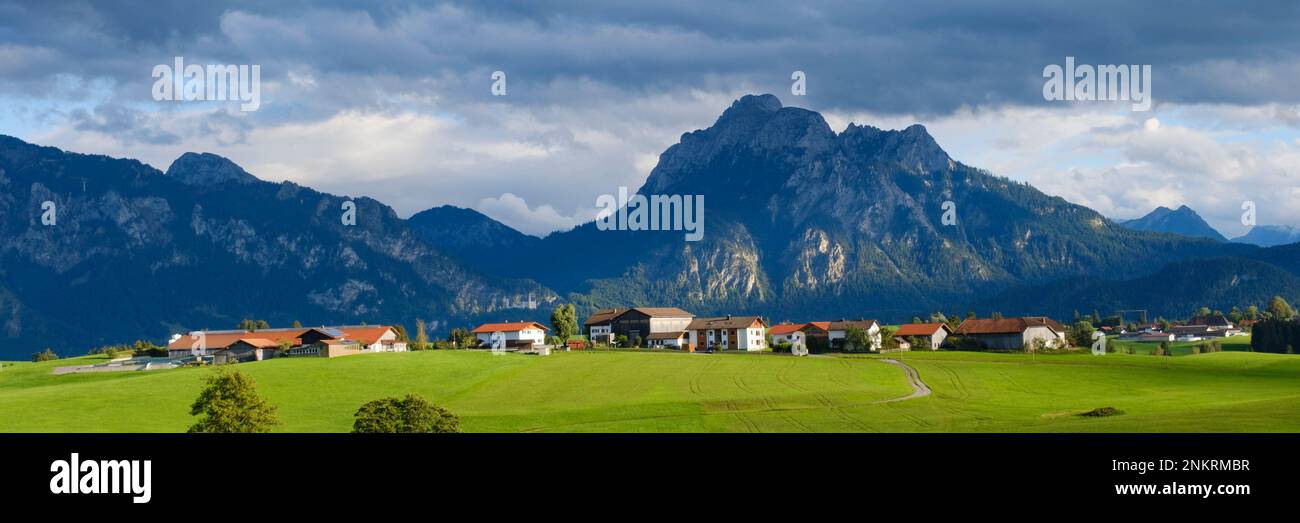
x,y
1182,220
139,254
207,169
804,222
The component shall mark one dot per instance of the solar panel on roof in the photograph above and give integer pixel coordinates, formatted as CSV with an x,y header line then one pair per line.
x,y
332,332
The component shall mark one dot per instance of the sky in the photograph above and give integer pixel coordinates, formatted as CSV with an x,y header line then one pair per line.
x,y
394,100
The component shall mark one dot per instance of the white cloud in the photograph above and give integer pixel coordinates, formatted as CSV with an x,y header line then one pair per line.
x,y
538,221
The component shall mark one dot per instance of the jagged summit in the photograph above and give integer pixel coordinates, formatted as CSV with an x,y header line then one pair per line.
x,y
207,169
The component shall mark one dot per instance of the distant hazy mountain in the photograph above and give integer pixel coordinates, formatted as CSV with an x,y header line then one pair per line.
x,y
1182,220
1270,235
136,253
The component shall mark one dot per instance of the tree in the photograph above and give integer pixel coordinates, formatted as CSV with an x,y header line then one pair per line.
x,y
996,315
1252,313
1081,333
400,331
45,355
564,321
421,335
412,414
856,339
230,403
1280,309
621,340
297,324
887,339
916,319
1203,311
463,338
262,324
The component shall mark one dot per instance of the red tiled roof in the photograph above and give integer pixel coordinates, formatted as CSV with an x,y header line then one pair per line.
x,y
823,325
259,343
1007,325
507,327
786,328
920,329
223,339
365,335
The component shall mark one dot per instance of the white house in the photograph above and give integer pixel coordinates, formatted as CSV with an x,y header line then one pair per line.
x,y
839,329
519,334
791,333
379,338
929,335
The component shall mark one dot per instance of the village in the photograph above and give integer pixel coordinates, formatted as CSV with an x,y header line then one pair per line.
x,y
669,328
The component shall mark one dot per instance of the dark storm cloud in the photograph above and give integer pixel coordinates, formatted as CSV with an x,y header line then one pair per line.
x,y
884,57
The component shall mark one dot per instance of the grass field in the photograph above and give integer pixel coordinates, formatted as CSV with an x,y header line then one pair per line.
x,y
1181,348
674,392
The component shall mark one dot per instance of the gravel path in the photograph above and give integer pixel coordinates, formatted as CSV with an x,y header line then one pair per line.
x,y
919,388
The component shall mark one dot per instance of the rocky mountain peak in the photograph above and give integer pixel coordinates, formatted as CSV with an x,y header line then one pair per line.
x,y
207,169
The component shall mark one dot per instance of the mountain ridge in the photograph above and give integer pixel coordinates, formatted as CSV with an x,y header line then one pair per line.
x,y
1182,220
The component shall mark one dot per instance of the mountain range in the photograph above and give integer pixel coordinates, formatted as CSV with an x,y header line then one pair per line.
x,y
802,223
1270,235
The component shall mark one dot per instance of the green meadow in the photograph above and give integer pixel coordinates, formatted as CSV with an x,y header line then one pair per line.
x,y
615,391
1179,348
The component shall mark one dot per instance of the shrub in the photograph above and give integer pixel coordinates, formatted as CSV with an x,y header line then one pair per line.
x,y
1102,412
45,355
230,403
412,414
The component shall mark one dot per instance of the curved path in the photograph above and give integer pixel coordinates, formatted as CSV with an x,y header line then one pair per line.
x,y
919,388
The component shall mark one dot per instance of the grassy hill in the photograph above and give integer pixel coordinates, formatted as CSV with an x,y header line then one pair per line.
x,y
674,392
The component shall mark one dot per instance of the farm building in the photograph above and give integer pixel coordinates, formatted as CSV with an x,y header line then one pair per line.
x,y
639,323
241,345
927,335
1013,333
515,335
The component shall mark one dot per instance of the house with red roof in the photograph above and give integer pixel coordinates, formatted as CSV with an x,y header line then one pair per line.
x,y
244,345
791,333
515,335
1024,333
918,335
